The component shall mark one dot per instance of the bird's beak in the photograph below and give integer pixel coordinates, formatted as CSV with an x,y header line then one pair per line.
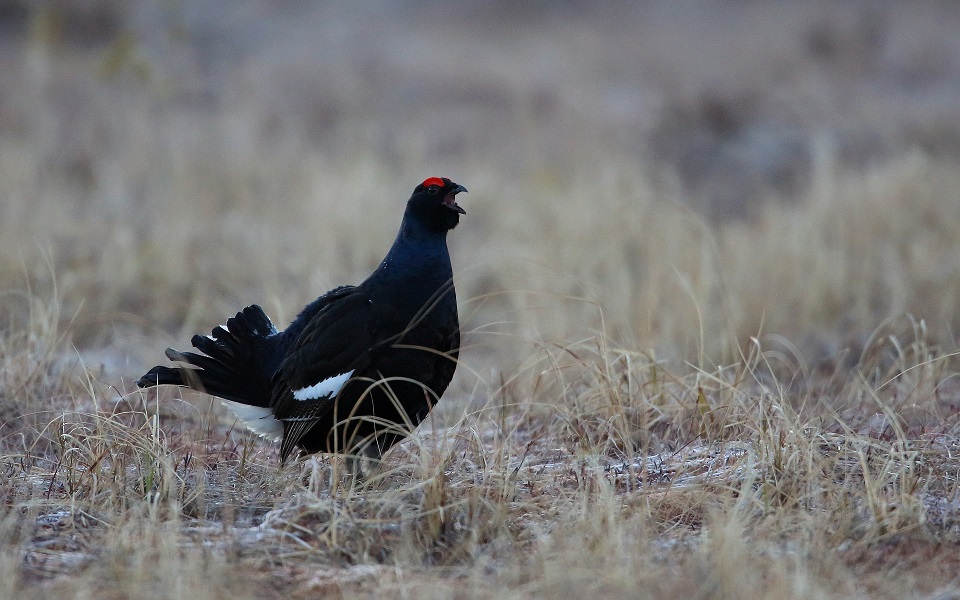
x,y
451,202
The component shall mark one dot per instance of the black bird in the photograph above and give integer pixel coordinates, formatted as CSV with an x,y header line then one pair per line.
x,y
361,366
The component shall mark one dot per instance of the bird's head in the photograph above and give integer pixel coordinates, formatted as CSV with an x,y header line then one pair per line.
x,y
434,202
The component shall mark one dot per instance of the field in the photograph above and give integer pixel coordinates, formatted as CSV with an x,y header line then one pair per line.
x,y
709,284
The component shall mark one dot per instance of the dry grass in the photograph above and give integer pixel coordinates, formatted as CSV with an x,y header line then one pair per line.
x,y
568,458
651,403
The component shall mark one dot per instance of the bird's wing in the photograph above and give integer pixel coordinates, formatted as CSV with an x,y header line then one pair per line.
x,y
293,331
333,346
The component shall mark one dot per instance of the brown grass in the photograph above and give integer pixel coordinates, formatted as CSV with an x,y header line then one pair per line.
x,y
651,402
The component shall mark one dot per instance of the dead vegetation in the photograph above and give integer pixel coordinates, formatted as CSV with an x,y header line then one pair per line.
x,y
587,469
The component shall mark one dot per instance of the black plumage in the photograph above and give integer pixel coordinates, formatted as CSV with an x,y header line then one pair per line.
x,y
360,366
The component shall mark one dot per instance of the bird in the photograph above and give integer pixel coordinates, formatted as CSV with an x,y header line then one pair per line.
x,y
359,367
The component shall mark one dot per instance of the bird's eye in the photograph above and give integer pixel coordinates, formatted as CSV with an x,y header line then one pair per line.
x,y
432,189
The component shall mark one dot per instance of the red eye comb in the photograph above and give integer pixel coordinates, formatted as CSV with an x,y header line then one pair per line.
x,y
432,181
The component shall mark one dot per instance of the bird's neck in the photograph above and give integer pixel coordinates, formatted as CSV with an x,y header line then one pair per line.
x,y
416,268
416,251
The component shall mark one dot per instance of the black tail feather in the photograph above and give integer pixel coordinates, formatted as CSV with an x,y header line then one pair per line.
x,y
237,363
161,376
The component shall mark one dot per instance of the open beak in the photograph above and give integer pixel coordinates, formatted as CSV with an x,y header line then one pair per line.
x,y
450,199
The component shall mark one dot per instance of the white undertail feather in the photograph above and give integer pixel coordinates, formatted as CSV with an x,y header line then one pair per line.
x,y
325,389
257,419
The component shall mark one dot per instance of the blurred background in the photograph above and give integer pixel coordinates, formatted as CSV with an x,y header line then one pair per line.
x,y
675,176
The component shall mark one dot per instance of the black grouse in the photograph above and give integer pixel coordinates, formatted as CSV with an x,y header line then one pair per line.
x,y
361,366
